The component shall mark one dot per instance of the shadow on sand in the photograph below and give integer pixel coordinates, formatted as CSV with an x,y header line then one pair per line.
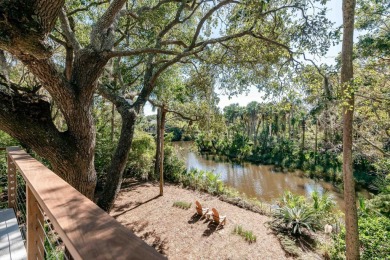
x,y
123,207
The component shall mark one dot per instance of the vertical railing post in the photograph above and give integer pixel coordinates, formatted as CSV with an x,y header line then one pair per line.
x,y
35,225
11,172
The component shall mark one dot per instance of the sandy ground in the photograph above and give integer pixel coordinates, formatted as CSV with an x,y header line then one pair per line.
x,y
178,234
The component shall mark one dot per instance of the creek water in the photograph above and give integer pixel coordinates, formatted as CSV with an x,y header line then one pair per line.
x,y
259,181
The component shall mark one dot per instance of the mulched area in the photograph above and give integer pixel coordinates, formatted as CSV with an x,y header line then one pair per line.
x,y
180,234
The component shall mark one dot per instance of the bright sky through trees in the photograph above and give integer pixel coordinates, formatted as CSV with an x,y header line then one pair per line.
x,y
335,15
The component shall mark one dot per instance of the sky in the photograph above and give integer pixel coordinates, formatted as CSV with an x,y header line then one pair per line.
x,y
334,14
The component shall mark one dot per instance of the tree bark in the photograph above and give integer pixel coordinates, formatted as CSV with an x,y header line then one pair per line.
x,y
118,163
112,122
30,122
70,153
351,220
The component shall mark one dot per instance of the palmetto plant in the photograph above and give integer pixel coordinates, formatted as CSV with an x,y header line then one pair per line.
x,y
322,203
296,218
291,200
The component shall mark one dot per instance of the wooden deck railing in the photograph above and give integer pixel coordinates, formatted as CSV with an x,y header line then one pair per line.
x,y
86,231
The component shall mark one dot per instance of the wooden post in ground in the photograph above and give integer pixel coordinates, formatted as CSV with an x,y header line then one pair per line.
x,y
11,172
161,168
35,225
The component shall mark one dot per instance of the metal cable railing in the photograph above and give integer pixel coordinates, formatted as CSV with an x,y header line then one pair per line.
x,y
52,246
20,205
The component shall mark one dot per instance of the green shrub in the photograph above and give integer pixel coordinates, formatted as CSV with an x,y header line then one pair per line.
x,y
174,167
374,236
322,203
142,156
291,200
295,219
296,213
246,234
5,140
381,203
182,204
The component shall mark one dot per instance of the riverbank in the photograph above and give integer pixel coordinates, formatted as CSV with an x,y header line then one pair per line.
x,y
176,233
259,181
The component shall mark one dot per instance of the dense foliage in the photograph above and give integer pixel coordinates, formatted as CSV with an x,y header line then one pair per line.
x,y
289,136
374,236
75,77
5,140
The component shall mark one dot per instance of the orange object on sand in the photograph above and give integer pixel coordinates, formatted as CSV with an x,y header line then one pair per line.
x,y
220,220
201,211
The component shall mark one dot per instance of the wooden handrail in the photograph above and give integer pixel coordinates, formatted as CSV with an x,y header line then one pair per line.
x,y
87,231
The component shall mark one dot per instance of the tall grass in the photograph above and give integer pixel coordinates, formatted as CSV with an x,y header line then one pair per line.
x,y
246,234
182,204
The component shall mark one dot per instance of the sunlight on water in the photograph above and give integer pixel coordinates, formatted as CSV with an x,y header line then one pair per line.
x,y
258,181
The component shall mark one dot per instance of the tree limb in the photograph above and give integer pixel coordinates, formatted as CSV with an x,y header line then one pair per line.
x,y
68,32
86,8
164,107
113,54
373,145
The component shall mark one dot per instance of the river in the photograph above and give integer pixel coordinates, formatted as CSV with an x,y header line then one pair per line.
x,y
259,181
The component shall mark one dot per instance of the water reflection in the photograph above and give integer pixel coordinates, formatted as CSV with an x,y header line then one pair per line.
x,y
258,181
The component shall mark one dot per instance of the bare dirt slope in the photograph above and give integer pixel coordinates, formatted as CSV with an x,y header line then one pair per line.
x,y
178,234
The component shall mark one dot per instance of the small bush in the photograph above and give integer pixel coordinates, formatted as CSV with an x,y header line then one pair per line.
x,y
246,234
296,218
182,204
297,213
374,236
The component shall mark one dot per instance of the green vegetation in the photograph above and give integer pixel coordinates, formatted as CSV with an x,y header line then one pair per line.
x,y
75,78
203,180
288,136
246,234
182,204
296,218
374,226
297,213
374,236
5,140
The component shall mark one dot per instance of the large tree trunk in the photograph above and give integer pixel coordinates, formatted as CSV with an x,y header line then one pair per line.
x,y
351,221
71,153
118,163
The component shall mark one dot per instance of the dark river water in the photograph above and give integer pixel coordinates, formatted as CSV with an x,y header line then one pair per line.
x,y
259,181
